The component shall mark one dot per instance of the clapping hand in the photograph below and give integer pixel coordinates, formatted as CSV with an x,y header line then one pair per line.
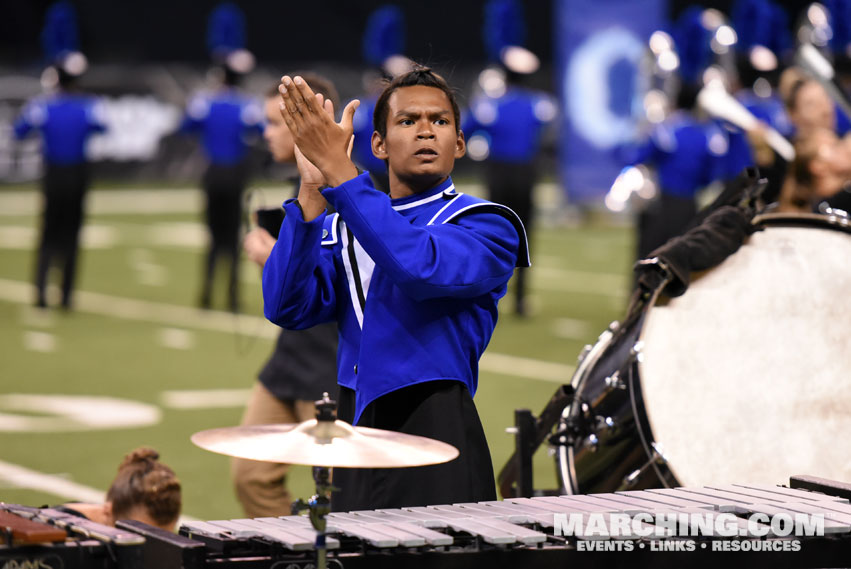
x,y
310,175
323,142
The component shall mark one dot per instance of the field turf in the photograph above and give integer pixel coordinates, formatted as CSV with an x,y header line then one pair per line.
x,y
136,335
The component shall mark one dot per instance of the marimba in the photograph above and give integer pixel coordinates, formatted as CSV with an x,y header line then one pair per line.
x,y
45,538
517,532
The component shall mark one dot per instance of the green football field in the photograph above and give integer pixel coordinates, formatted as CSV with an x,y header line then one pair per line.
x,y
137,364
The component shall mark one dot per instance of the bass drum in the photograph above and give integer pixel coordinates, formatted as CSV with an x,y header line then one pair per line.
x,y
741,379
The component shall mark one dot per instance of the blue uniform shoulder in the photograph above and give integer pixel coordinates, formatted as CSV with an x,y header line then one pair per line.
x,y
464,204
35,111
199,106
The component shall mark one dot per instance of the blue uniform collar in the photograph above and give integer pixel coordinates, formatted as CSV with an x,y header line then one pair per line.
x,y
424,197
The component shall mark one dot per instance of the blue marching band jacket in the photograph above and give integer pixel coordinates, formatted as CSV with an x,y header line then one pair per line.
x,y
224,119
412,282
65,121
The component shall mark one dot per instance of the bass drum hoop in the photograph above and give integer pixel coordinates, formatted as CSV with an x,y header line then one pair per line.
x,y
651,446
564,452
566,470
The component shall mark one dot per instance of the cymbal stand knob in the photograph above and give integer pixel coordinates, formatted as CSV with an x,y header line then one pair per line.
x,y
326,409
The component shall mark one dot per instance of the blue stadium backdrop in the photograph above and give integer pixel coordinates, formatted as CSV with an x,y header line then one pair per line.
x,y
598,46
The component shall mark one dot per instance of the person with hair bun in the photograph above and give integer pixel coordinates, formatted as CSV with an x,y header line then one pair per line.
x,y
144,490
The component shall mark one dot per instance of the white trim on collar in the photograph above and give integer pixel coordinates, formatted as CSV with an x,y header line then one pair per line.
x,y
436,196
449,203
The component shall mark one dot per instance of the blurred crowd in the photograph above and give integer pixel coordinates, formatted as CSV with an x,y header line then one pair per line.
x,y
726,93
715,94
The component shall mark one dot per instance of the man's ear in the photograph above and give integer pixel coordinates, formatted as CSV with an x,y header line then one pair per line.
x,y
379,150
460,145
107,512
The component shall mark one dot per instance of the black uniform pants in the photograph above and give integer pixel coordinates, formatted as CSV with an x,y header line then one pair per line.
x,y
664,218
511,184
223,188
441,410
64,188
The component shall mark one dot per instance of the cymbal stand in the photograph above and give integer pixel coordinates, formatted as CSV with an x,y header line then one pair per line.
x,y
319,505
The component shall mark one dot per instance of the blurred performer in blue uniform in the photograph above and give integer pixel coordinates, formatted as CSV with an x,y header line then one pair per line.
x,y
761,27
687,152
834,22
225,119
65,119
383,43
362,148
510,119
687,155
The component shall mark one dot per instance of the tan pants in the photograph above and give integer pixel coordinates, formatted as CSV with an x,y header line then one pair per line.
x,y
261,486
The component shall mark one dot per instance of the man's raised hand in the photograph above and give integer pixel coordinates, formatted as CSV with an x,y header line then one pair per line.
x,y
322,141
310,175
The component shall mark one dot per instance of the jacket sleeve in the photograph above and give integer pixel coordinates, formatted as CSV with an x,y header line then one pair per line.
x,y
32,117
298,277
197,111
471,256
95,117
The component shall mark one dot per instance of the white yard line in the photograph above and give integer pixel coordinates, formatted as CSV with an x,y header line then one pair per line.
x,y
164,200
186,317
565,280
146,311
174,315
204,398
526,367
572,329
170,200
185,200
138,201
21,477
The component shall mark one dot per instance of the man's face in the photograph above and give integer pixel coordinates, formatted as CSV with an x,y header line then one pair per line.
x,y
421,141
277,135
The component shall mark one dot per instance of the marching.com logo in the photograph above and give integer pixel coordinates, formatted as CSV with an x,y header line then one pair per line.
x,y
709,524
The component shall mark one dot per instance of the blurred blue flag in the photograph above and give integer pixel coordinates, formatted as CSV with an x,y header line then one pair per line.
x,y
761,22
225,29
60,31
840,22
599,44
384,35
504,25
692,41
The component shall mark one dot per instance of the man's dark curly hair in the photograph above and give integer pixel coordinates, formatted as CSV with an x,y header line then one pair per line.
x,y
419,76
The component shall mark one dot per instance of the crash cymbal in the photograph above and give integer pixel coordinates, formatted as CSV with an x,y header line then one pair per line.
x,y
325,443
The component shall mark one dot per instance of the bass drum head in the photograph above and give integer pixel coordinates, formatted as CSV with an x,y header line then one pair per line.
x,y
744,376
